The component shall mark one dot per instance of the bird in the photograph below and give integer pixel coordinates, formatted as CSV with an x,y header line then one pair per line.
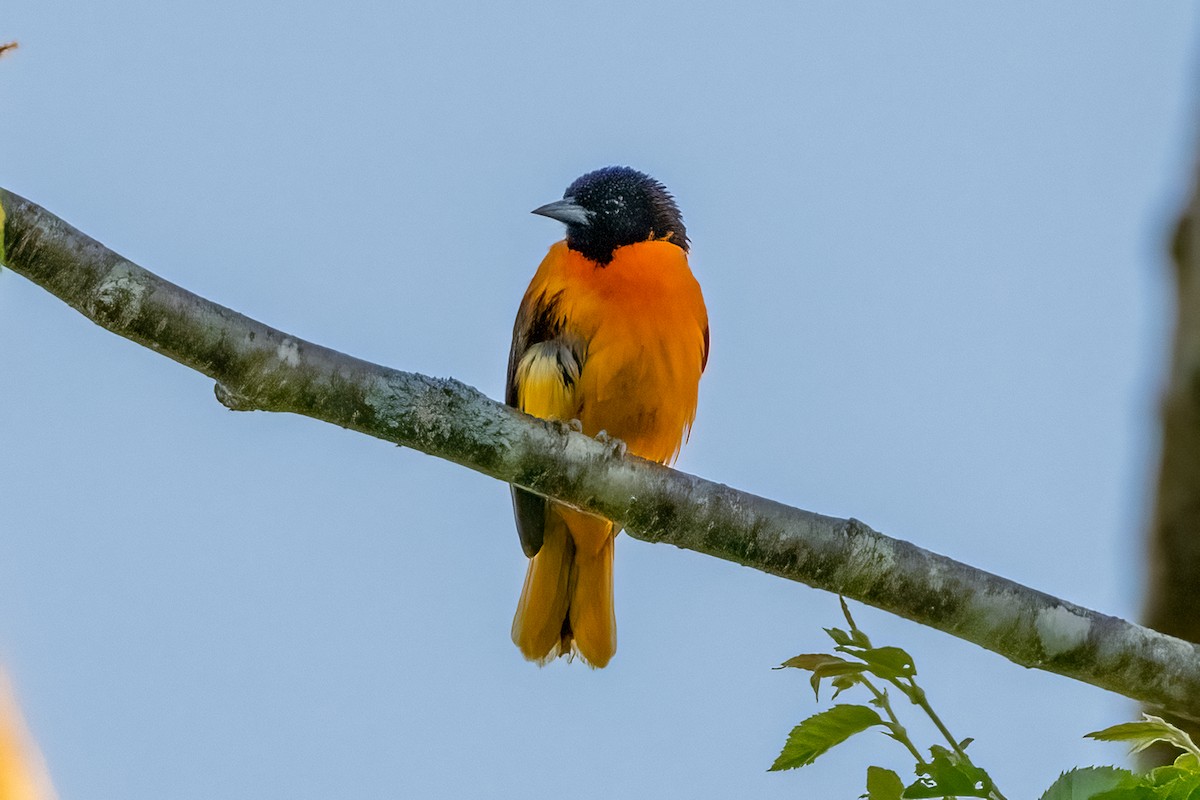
x,y
611,337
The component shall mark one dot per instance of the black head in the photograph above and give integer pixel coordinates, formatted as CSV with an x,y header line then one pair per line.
x,y
613,207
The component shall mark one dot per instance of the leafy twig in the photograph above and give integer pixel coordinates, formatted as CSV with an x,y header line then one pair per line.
x,y
946,773
899,732
950,773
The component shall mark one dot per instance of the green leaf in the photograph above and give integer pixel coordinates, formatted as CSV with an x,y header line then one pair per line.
x,y
889,662
811,661
839,636
859,639
1161,776
843,682
845,670
1171,783
823,665
948,774
820,732
1188,761
1082,784
1142,734
883,784
1131,789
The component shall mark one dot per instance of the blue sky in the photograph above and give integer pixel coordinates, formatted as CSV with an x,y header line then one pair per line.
x,y
930,237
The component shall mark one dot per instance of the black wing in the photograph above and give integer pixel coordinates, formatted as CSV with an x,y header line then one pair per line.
x,y
538,321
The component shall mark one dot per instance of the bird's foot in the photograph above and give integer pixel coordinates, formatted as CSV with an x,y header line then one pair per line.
x,y
616,447
565,427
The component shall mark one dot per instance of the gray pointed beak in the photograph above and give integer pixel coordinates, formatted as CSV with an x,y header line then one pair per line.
x,y
565,210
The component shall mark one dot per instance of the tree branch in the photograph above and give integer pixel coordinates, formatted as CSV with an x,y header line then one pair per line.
x,y
258,367
1173,588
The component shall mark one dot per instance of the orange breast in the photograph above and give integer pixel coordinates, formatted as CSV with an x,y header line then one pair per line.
x,y
643,322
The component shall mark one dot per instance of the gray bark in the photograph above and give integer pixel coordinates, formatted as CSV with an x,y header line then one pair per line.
x,y
260,368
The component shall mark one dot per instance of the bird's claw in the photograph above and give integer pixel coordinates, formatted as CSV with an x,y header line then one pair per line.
x,y
616,447
566,426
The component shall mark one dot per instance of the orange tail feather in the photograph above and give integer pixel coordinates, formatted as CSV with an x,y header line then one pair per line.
x,y
593,621
538,624
566,604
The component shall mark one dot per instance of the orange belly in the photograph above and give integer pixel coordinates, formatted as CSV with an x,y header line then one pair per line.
x,y
643,325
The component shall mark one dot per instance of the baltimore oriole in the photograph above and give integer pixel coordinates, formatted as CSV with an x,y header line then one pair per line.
x,y
612,332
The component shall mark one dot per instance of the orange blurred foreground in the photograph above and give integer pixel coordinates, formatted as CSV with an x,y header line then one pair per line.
x,y
23,774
